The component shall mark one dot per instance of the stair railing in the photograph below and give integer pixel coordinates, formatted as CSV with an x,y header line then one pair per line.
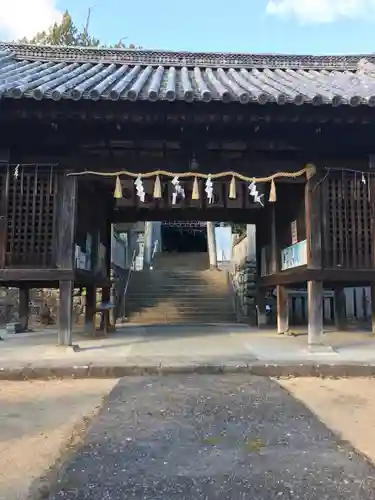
x,y
131,268
155,248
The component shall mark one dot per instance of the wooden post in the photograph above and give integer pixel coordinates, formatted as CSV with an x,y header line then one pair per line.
x,y
23,312
211,244
90,309
340,308
65,336
282,310
315,312
313,222
373,307
64,251
275,257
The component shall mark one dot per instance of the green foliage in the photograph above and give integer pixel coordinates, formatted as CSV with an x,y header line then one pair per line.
x,y
66,33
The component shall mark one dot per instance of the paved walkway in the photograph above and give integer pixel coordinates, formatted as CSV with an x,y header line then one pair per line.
x,y
222,437
184,345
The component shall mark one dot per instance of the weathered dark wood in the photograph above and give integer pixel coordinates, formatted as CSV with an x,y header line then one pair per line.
x,y
65,333
4,203
35,274
373,307
23,311
313,222
275,251
90,309
340,308
282,309
315,312
66,221
372,218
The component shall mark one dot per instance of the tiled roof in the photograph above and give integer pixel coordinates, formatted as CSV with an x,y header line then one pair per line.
x,y
57,73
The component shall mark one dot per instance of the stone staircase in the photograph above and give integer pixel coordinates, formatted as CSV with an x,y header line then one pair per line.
x,y
180,289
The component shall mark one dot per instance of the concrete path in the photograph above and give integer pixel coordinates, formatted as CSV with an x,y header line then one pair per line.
x,y
222,437
177,347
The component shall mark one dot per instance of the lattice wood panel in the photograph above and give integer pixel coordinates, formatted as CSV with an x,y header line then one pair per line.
x,y
31,205
346,215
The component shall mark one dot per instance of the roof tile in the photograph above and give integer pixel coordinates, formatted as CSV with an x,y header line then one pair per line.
x,y
79,73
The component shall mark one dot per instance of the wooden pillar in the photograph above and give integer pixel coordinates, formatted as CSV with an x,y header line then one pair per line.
x,y
340,308
313,222
251,243
282,309
315,312
90,309
66,212
211,244
373,307
65,336
23,311
275,255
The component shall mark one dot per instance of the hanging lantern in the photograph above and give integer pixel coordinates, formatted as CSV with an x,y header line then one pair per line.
x,y
157,188
118,189
272,197
195,193
232,189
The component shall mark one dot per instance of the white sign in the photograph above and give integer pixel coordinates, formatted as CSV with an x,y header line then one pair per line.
x,y
294,256
293,227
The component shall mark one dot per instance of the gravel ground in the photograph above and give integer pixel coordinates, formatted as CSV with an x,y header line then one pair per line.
x,y
37,420
211,437
345,405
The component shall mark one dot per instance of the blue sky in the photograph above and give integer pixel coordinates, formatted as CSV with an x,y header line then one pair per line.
x,y
218,25
288,26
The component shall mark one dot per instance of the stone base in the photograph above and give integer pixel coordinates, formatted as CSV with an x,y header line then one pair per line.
x,y
320,349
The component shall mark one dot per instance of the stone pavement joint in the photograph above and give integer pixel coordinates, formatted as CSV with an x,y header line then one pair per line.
x,y
277,370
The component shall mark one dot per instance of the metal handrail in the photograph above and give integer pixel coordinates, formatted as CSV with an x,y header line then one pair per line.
x,y
134,256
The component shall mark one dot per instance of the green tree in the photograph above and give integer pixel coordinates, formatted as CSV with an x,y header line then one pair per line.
x,y
66,33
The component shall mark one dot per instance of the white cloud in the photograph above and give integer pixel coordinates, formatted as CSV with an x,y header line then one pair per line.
x,y
321,11
19,18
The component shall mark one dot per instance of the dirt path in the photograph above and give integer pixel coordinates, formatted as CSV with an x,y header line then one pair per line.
x,y
347,406
37,419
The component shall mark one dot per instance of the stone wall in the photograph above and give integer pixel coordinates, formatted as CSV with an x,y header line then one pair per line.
x,y
243,275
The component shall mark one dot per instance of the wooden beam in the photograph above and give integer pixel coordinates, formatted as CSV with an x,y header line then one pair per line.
x,y
282,309
315,312
313,222
65,333
35,275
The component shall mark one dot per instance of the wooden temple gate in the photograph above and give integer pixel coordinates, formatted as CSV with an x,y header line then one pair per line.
x,y
93,137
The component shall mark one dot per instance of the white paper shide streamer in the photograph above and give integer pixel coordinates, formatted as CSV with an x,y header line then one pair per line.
x,y
178,190
16,172
255,194
209,189
140,188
